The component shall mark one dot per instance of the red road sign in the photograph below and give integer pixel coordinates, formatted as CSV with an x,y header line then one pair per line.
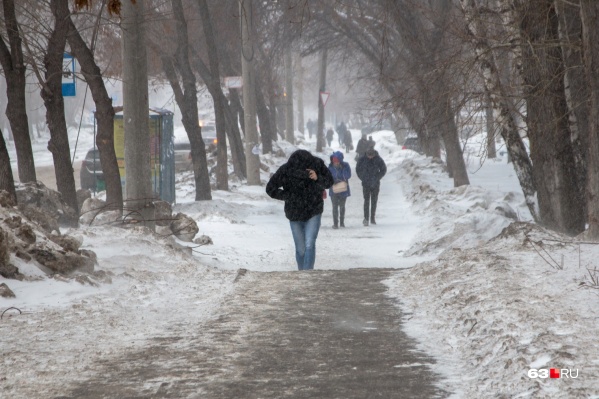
x,y
324,97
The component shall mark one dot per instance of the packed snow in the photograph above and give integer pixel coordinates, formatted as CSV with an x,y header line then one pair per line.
x,y
494,298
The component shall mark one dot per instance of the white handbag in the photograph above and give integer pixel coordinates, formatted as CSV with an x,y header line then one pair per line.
x,y
340,187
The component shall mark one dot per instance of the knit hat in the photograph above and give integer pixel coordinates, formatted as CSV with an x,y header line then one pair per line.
x,y
370,152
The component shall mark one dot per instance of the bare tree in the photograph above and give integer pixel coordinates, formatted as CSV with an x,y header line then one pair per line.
x,y
7,182
575,87
222,175
54,102
501,107
299,69
589,11
231,106
104,111
185,92
321,88
249,96
289,128
560,196
14,70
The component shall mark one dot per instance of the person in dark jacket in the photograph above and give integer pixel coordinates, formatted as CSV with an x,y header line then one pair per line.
x,y
330,134
370,169
362,146
341,172
348,142
341,132
311,126
300,182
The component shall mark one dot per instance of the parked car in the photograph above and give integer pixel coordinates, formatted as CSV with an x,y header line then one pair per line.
x,y
209,136
412,143
182,156
91,176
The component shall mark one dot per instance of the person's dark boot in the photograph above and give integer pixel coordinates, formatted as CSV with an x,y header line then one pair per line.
x,y
342,224
335,227
365,222
372,221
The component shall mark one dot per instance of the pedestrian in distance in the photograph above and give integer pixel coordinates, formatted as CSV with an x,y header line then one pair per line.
x,y
370,169
348,142
362,146
311,126
371,142
341,172
341,132
300,182
330,134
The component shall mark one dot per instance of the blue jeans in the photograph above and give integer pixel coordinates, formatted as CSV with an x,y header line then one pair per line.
x,y
304,236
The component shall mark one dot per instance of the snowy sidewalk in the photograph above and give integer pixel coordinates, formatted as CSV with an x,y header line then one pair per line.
x,y
321,334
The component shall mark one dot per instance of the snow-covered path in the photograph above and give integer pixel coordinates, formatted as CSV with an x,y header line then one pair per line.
x,y
484,303
266,236
323,334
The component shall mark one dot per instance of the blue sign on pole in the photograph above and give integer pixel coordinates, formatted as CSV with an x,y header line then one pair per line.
x,y
68,75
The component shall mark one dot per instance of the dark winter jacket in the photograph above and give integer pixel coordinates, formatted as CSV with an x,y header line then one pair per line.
x,y
292,184
371,171
341,173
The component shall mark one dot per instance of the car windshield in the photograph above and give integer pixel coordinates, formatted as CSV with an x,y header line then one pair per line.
x,y
209,131
93,156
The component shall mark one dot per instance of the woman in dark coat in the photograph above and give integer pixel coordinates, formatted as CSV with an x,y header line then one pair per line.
x,y
300,183
341,172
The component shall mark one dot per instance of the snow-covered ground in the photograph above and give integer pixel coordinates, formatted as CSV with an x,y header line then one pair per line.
x,y
490,300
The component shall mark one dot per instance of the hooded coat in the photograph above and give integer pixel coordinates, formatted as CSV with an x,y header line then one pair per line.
x,y
342,173
371,170
292,184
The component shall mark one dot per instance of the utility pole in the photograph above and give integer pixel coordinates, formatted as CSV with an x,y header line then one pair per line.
x,y
289,132
138,183
249,94
322,87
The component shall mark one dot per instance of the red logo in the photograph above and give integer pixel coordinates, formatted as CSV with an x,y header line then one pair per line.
x,y
553,373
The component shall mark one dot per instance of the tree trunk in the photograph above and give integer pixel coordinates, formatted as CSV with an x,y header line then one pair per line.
x,y
289,130
300,94
187,99
234,135
231,110
249,97
321,87
222,174
266,131
559,196
491,148
138,183
16,108
272,111
576,87
453,148
104,115
589,11
191,123
54,102
501,107
7,182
